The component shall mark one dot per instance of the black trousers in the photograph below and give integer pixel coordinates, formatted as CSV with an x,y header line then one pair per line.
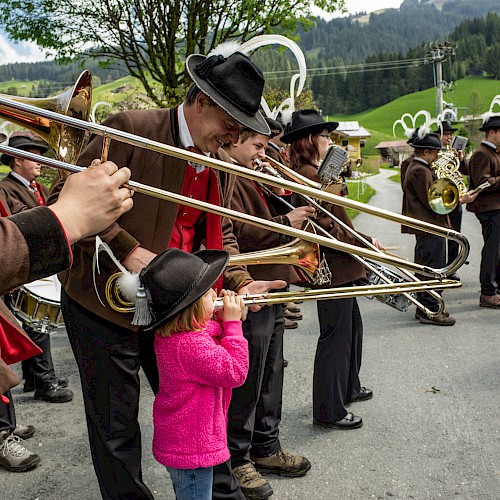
x,y
40,368
430,250
456,224
338,358
255,409
109,358
489,274
7,414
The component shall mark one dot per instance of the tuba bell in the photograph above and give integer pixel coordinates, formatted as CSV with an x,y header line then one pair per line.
x,y
444,193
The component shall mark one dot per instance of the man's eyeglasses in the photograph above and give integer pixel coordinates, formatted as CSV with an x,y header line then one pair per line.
x,y
325,135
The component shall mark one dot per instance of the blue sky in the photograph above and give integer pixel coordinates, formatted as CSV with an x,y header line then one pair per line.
x,y
11,52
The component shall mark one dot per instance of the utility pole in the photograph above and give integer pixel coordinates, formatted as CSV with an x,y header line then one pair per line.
x,y
437,54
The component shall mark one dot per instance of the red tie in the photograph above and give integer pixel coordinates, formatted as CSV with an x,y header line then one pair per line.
x,y
38,196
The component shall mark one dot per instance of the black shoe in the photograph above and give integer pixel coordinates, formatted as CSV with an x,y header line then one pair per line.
x,y
54,393
285,363
363,395
350,421
29,385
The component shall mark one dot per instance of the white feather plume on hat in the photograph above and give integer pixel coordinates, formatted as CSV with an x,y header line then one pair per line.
x,y
287,107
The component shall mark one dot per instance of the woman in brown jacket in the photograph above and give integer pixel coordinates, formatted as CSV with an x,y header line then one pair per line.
x,y
338,353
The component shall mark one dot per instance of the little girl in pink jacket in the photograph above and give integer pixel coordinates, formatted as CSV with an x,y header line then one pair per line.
x,y
199,361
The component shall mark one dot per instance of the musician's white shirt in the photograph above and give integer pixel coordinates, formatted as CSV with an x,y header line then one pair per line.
x,y
186,139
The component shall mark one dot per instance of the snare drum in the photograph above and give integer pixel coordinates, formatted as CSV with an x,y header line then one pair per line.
x,y
38,304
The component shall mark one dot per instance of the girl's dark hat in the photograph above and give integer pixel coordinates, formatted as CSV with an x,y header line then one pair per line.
x,y
22,142
174,280
235,83
491,122
428,141
304,122
446,126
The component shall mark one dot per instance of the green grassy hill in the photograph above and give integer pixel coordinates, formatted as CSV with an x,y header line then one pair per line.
x,y
379,121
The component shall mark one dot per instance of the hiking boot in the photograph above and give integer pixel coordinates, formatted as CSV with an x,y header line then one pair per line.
x,y
24,431
492,301
14,456
440,319
291,315
54,393
283,463
292,307
252,484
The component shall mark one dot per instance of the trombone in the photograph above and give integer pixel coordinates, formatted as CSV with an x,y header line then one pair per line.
x,y
371,266
45,121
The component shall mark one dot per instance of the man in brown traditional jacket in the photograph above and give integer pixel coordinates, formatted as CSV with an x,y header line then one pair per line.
x,y
35,244
485,166
430,249
224,97
21,185
255,410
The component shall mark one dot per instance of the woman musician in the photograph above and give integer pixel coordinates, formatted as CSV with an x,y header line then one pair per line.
x,y
338,354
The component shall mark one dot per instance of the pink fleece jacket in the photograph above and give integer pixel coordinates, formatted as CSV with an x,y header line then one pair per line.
x,y
197,372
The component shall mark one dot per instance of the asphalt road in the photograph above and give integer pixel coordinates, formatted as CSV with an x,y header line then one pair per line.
x,y
431,431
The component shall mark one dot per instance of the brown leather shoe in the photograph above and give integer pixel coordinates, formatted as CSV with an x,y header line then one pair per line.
x,y
290,325
292,307
291,315
492,301
440,320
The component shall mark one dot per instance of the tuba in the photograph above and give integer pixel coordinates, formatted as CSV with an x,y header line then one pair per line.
x,y
444,193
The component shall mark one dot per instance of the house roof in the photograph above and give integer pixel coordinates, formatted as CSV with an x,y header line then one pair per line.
x,y
396,145
351,129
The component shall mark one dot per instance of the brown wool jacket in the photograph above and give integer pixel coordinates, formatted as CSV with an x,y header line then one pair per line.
x,y
485,166
34,246
151,220
247,199
345,270
417,181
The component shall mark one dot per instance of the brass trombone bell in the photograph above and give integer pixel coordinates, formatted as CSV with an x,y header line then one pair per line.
x,y
443,196
298,253
67,142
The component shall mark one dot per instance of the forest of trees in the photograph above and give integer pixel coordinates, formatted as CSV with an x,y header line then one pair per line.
x,y
340,52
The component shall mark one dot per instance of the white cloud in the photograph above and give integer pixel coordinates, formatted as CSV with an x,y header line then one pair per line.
x,y
355,6
11,52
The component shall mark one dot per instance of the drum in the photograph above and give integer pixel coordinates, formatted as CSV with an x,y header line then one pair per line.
x,y
38,304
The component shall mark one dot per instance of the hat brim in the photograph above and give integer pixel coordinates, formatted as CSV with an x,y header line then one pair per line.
x,y
217,262
427,147
308,129
5,158
256,123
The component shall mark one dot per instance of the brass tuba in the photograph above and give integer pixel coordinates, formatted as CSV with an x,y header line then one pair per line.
x,y
444,193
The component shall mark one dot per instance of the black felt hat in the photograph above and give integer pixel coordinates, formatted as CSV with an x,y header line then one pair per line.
x,y
304,122
492,121
22,142
235,83
446,126
175,279
275,126
428,141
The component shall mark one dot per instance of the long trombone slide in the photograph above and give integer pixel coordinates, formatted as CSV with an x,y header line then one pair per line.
x,y
344,292
182,154
363,240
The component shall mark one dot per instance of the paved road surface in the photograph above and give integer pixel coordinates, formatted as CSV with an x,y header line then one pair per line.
x,y
431,431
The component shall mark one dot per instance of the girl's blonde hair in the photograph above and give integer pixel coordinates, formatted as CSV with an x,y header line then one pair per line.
x,y
192,319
